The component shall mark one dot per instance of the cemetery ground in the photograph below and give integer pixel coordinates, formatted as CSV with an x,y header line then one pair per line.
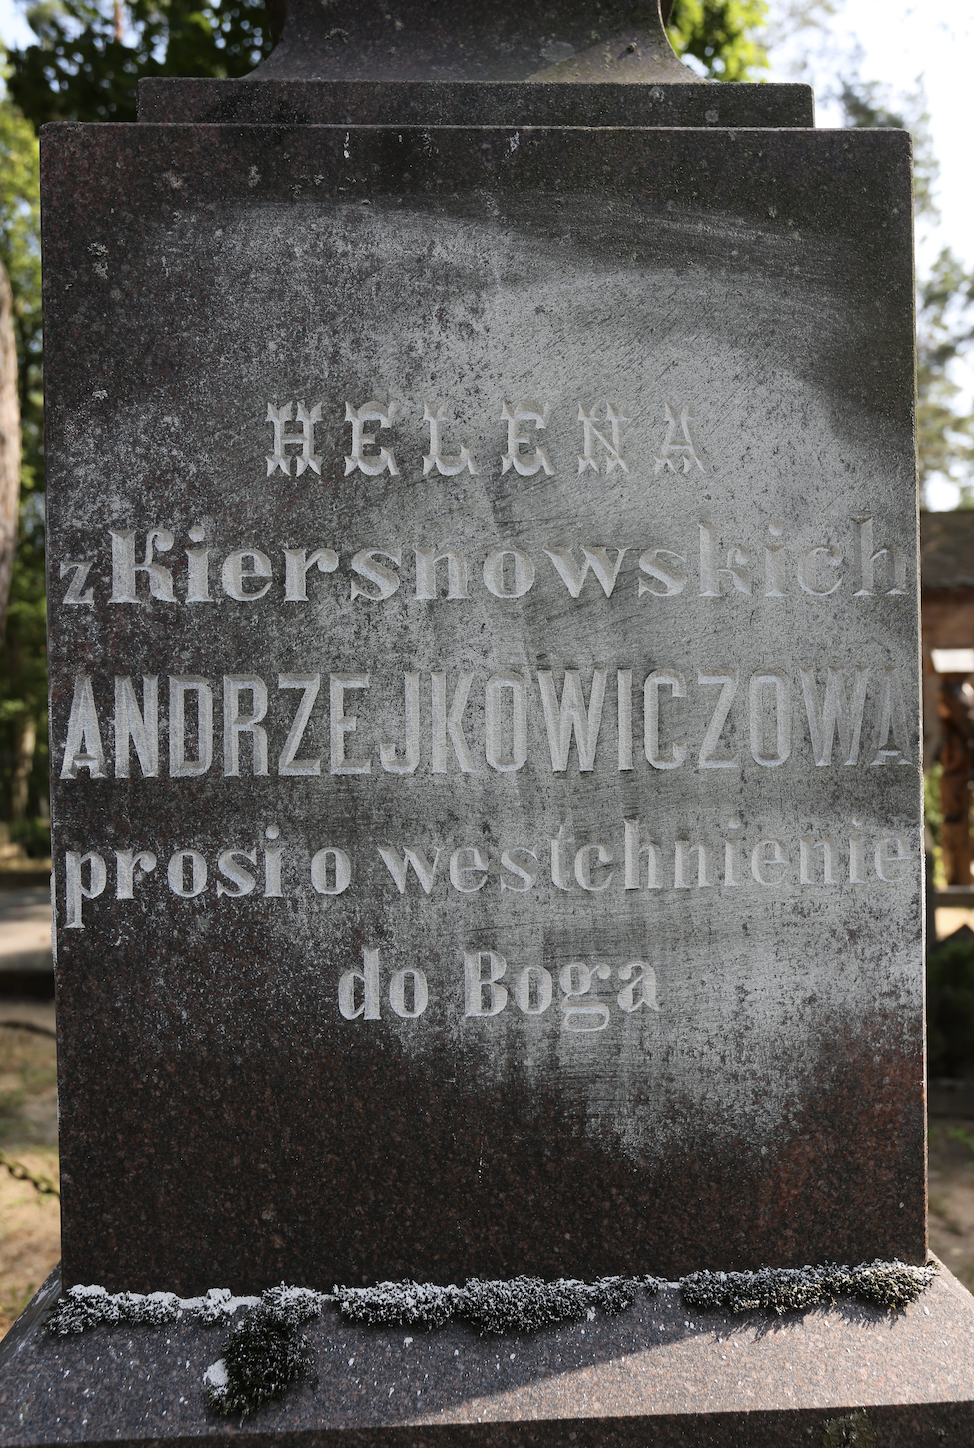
x,y
30,1227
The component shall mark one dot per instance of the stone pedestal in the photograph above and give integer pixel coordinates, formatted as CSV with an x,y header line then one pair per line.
x,y
655,1375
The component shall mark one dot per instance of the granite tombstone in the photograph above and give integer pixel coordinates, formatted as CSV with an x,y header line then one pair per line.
x,y
483,589
483,680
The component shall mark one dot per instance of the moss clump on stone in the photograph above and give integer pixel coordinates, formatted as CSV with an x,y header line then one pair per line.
x,y
525,1304
265,1354
889,1285
519,1304
85,1307
403,1304
892,1285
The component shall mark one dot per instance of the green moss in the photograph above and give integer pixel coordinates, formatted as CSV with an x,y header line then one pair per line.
x,y
888,1285
520,1304
403,1304
265,1354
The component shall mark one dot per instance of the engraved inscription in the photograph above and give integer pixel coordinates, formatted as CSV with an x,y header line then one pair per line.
x,y
525,462
720,569
379,458
626,859
450,466
355,728
678,452
556,720
589,458
287,436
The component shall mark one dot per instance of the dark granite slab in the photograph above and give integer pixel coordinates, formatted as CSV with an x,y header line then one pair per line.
x,y
465,103
232,1107
562,40
655,1375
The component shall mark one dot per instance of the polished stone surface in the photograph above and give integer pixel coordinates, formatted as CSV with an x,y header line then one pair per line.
x,y
623,41
466,103
287,1048
656,1374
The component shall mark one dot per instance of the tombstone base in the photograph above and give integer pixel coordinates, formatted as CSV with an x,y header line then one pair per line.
x,y
656,1374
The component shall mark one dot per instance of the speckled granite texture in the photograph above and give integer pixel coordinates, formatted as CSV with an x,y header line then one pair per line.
x,y
465,103
718,1070
656,1375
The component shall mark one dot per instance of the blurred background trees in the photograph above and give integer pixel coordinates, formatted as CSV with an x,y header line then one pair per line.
x,y
723,36
945,302
89,57
23,661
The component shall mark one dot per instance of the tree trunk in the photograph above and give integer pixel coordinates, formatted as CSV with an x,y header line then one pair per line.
x,y
23,764
9,443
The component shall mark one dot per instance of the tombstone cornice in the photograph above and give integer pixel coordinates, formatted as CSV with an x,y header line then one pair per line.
x,y
479,40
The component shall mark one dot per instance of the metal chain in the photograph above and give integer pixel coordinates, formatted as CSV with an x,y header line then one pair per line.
x,y
22,1173
42,1184
29,1026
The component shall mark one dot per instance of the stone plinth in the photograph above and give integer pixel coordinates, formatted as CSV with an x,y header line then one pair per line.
x,y
655,1375
466,103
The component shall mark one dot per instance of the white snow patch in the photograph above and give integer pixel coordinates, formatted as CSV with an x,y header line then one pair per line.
x,y
216,1374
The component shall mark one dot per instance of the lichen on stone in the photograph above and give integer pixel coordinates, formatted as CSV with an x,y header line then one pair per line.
x,y
889,1285
295,1304
266,1351
893,1285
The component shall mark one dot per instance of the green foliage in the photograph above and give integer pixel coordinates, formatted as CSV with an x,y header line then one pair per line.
x,y
23,663
933,817
23,653
721,35
89,57
933,810
958,1133
945,331
950,1008
945,301
21,254
34,835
